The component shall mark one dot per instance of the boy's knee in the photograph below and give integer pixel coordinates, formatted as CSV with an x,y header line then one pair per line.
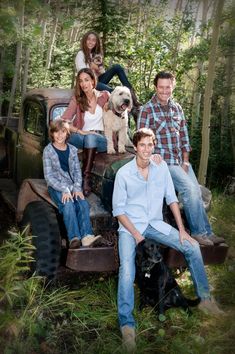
x,y
68,206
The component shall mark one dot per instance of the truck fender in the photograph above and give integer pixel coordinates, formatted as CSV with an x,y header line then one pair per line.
x,y
31,190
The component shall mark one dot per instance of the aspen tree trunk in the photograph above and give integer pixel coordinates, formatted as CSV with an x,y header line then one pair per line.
x,y
2,55
208,94
231,64
26,69
44,28
51,43
17,61
200,69
178,6
178,38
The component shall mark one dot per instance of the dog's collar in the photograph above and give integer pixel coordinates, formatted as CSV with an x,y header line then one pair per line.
x,y
120,115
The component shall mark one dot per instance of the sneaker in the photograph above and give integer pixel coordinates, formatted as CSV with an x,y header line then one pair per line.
x,y
209,306
74,243
203,240
215,239
128,338
90,240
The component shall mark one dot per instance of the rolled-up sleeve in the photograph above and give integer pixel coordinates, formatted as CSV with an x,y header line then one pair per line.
x,y
119,195
170,195
80,61
184,137
143,119
77,187
70,110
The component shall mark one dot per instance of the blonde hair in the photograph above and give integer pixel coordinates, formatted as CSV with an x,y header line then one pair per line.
x,y
57,125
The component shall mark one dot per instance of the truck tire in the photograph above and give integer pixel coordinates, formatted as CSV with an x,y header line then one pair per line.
x,y
41,218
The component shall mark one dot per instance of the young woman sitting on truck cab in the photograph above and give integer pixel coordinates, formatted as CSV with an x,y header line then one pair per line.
x,y
86,128
86,57
63,177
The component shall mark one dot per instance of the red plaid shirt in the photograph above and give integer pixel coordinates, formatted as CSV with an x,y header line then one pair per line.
x,y
170,127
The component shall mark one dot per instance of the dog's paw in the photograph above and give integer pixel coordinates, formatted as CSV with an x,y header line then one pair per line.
x,y
111,151
121,150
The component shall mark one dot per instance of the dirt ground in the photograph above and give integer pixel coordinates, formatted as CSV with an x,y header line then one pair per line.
x,y
7,220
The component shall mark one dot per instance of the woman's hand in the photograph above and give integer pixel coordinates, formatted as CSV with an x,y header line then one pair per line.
x,y
94,66
66,197
77,195
156,158
106,107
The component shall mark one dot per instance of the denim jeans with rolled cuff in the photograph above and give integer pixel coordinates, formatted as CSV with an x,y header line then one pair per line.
x,y
76,215
189,194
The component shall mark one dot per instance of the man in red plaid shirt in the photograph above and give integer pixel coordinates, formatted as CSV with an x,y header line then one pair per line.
x,y
166,118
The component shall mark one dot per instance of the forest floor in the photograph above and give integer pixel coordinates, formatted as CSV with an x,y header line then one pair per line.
x,y
80,315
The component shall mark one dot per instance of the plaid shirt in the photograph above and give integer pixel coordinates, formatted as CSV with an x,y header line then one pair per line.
x,y
170,128
57,178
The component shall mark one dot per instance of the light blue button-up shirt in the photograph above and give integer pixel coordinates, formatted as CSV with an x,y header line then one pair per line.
x,y
142,200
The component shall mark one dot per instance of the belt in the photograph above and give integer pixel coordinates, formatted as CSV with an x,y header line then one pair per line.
x,y
98,131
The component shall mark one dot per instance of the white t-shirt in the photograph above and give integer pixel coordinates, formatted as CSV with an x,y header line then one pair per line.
x,y
94,121
80,61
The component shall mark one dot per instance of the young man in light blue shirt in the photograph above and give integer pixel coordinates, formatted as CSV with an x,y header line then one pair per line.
x,y
139,189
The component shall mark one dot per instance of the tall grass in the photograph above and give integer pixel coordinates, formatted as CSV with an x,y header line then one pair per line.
x,y
38,318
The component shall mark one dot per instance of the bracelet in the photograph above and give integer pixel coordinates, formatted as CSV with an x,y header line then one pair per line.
x,y
186,163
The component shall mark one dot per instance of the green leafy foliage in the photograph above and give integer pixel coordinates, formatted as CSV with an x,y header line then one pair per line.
x,y
79,313
141,36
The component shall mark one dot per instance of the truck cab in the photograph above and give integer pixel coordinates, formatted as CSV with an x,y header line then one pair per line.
x,y
21,145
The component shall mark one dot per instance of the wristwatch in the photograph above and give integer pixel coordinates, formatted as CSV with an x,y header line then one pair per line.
x,y
186,163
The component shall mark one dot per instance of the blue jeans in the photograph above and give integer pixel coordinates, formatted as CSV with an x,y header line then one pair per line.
x,y
89,141
76,215
105,78
127,245
189,194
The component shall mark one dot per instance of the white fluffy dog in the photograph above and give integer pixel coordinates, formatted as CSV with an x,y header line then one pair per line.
x,y
116,118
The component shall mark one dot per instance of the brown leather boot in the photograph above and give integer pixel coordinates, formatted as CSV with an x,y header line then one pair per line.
x,y
89,155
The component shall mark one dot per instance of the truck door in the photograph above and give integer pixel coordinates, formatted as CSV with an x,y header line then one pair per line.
x,y
32,139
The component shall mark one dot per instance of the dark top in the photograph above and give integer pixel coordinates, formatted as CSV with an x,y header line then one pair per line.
x,y
63,158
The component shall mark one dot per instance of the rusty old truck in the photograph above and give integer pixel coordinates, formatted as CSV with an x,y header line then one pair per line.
x,y
22,186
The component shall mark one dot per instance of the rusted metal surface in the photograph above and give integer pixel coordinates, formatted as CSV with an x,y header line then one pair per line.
x,y
31,190
51,95
92,259
210,255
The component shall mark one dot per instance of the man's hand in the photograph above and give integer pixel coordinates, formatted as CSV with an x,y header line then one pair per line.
x,y
185,167
185,236
77,195
156,158
138,239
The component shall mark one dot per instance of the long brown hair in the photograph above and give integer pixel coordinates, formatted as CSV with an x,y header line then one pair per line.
x,y
80,95
96,50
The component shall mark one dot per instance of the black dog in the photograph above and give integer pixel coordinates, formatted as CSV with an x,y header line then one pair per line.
x,y
157,285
